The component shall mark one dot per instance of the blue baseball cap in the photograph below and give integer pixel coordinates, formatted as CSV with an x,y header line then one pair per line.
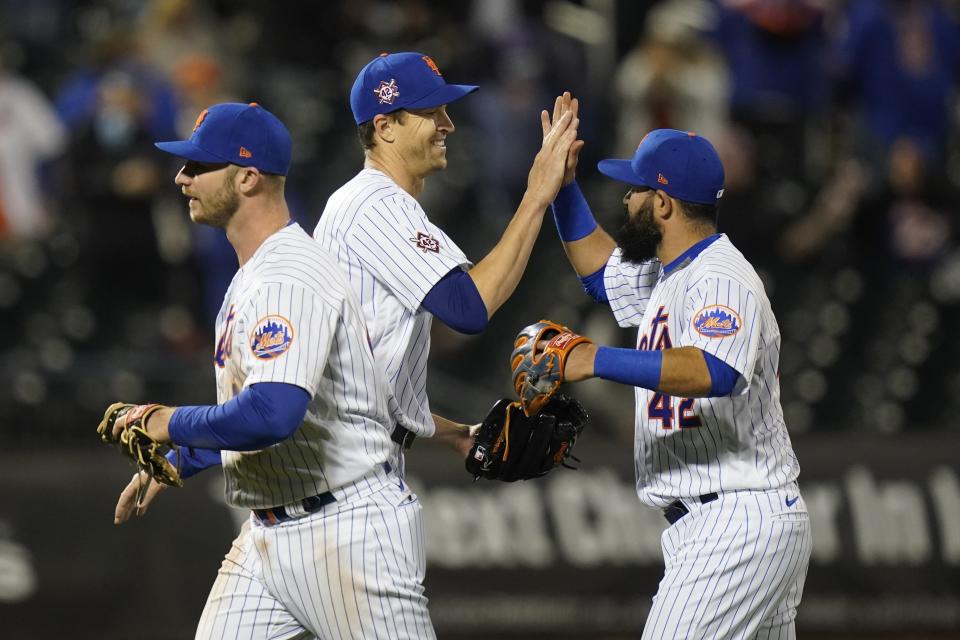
x,y
395,81
243,134
681,163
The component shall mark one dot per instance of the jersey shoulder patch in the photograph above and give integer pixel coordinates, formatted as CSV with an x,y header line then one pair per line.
x,y
717,321
271,338
426,242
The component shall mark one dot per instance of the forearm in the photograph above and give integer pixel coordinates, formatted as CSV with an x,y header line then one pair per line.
x,y
497,274
591,253
680,372
684,373
453,434
192,461
259,416
588,246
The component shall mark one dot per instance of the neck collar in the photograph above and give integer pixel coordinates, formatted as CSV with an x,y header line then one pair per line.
x,y
690,254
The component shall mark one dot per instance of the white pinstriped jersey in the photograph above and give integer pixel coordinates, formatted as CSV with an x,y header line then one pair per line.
x,y
290,316
392,255
710,298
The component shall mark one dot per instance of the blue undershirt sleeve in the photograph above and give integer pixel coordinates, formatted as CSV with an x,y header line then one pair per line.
x,y
193,461
643,368
723,377
593,285
261,415
457,303
571,213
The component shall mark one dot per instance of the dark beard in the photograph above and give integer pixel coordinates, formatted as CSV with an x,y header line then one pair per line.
x,y
639,237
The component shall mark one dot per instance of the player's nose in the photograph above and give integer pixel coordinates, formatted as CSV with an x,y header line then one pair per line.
x,y
182,178
444,122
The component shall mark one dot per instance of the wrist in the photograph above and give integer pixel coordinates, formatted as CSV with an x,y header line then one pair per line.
x,y
572,214
157,424
535,200
580,362
629,366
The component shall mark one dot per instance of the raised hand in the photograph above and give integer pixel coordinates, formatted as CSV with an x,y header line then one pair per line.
x,y
549,167
564,104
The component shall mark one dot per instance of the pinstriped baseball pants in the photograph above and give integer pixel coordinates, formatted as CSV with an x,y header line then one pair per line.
x,y
734,568
353,569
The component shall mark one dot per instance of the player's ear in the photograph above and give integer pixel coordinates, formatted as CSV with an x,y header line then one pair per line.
x,y
248,179
663,204
383,127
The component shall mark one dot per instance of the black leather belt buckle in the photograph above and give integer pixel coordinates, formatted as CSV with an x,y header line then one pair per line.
x,y
403,437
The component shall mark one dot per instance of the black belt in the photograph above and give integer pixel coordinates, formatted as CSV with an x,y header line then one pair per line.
x,y
677,509
273,515
403,437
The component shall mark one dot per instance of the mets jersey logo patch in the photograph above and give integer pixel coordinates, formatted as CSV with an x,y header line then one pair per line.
x,y
271,338
717,321
387,92
426,242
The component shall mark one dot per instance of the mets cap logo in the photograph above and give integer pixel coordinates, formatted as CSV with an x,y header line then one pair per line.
x,y
387,92
433,65
200,119
425,242
271,338
717,321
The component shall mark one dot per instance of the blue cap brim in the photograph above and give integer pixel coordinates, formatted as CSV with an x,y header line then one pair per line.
x,y
620,170
188,150
443,95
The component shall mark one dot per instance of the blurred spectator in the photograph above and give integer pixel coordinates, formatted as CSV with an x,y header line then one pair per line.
x,y
906,223
30,134
899,62
116,111
673,78
172,30
776,53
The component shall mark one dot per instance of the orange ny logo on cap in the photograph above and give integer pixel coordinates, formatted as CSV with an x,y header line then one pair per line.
x,y
200,118
433,65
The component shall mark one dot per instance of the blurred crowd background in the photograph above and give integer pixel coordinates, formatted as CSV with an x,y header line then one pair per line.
x,y
836,121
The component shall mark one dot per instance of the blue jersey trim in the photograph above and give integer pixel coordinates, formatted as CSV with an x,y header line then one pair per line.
x,y
690,254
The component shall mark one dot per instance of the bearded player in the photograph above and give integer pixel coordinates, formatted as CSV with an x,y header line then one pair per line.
x,y
711,447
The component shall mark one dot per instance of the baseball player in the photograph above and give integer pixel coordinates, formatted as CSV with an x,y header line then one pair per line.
x,y
405,269
333,547
711,447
